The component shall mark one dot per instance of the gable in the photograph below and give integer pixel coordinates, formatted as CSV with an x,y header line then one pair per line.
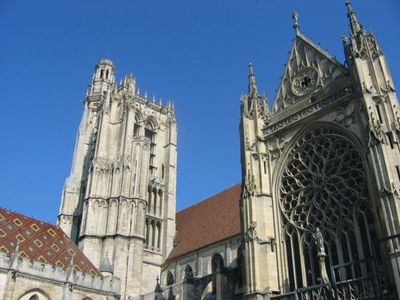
x,y
310,70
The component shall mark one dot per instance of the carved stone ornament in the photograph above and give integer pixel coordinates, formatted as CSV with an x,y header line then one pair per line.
x,y
387,192
317,106
251,233
305,81
396,121
249,186
345,115
276,146
249,146
376,130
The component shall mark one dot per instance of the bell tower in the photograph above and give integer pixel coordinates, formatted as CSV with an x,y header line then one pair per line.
x,y
118,203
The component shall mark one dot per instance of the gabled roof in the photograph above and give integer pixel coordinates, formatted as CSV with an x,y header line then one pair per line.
x,y
40,241
309,69
207,222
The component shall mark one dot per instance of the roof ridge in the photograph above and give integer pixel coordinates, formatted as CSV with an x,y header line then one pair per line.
x,y
26,216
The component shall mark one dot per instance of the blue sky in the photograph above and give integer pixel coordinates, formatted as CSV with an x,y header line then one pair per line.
x,y
195,53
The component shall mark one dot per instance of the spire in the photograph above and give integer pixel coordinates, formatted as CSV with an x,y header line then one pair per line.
x,y
254,104
252,82
295,18
355,26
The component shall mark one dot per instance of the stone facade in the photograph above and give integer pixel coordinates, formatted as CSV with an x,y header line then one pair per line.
x,y
23,279
321,175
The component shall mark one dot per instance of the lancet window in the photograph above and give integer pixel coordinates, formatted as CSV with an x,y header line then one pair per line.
x,y
155,201
323,185
150,134
170,278
153,234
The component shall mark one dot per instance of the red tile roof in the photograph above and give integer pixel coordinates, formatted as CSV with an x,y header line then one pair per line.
x,y
207,222
40,241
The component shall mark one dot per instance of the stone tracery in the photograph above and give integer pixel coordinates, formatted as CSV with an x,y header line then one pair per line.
x,y
323,186
320,186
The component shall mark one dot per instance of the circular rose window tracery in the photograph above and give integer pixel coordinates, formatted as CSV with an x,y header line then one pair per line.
x,y
323,181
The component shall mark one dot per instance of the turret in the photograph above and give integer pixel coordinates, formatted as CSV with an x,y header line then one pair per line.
x,y
103,77
377,107
255,115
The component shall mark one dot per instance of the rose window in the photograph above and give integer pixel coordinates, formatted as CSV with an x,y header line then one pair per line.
x,y
323,182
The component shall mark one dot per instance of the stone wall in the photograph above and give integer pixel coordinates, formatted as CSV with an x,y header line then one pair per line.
x,y
20,276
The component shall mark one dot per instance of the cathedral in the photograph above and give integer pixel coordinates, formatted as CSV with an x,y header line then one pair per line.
x,y
316,215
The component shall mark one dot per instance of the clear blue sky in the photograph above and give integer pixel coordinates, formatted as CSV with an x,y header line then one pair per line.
x,y
195,53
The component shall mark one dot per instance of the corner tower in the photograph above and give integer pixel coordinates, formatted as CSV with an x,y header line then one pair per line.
x,y
118,203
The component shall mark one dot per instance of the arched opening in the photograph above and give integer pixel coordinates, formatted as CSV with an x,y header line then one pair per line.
x,y
170,278
217,264
325,212
35,294
150,135
160,202
188,272
207,294
136,126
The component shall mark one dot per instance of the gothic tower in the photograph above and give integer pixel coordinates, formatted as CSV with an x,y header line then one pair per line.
x,y
321,175
118,203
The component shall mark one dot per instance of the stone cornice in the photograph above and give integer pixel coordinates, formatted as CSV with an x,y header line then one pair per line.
x,y
307,111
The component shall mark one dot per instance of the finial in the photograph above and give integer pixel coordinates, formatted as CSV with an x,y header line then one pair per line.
x,y
295,18
251,69
252,81
355,26
158,289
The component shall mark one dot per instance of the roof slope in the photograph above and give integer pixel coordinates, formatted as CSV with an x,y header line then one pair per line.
x,y
207,222
40,241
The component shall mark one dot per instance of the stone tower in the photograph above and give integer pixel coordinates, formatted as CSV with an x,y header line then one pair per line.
x,y
321,175
118,203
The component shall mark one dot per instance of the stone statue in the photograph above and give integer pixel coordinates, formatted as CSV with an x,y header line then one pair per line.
x,y
319,240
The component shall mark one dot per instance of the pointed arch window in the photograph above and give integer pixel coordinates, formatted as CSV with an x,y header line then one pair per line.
x,y
217,264
170,278
136,126
323,188
150,134
188,272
